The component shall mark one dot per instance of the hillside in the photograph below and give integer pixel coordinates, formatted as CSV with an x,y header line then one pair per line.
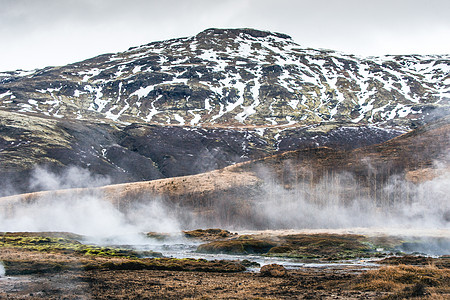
x,y
385,174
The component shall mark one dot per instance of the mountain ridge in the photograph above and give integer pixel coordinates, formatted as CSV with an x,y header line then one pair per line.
x,y
238,77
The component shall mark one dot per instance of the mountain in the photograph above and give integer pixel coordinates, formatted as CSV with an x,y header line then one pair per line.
x,y
189,105
235,77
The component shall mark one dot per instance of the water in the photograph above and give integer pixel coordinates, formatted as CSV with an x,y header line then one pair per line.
x,y
425,241
185,248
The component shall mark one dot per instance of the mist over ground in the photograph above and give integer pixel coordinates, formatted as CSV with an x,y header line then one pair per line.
x,y
2,270
87,212
333,202
340,202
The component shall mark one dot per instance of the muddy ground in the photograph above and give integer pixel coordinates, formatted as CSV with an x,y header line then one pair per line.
x,y
51,271
161,284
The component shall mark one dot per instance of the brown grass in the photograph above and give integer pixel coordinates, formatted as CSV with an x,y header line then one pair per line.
x,y
404,281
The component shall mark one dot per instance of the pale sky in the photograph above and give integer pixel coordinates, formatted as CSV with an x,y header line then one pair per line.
x,y
39,33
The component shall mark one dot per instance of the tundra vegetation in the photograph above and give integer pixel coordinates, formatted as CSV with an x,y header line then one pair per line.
x,y
34,261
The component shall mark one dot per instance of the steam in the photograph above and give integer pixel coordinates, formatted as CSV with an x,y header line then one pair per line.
x,y
87,213
2,270
45,180
337,201
340,202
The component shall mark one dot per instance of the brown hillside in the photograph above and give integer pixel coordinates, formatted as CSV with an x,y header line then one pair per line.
x,y
228,195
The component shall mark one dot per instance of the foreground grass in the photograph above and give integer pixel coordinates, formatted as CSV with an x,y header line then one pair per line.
x,y
52,260
60,242
404,281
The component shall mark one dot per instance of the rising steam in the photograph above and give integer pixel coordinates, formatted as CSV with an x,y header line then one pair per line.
x,y
2,270
340,202
44,180
86,213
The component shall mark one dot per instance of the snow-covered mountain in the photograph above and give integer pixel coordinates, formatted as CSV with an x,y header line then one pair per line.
x,y
189,105
238,77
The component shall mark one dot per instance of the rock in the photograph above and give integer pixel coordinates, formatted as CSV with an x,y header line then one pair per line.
x,y
208,234
250,264
273,270
243,246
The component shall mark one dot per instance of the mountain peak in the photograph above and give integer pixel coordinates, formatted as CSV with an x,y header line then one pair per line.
x,y
240,31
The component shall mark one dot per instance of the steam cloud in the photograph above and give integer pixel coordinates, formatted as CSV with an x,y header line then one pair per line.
x,y
44,180
339,203
333,203
87,213
2,270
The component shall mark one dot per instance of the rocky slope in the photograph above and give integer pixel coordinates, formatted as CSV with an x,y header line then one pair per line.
x,y
235,77
144,152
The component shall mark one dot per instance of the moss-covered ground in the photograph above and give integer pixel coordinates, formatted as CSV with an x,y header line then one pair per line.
x,y
57,248
305,246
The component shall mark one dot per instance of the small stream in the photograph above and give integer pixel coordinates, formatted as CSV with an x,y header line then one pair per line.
x,y
186,248
429,242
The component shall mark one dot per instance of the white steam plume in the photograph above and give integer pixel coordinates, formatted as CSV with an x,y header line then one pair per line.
x,y
72,177
2,270
340,203
87,213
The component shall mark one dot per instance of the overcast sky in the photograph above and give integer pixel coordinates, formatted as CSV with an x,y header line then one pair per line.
x,y
39,33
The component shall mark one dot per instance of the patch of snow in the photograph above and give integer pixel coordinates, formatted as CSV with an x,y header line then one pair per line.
x,y
290,121
208,106
260,131
50,90
245,50
8,93
193,46
293,103
272,120
137,69
89,74
153,110
179,119
120,71
179,80
109,114
26,107
22,73
143,92
98,103
196,119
